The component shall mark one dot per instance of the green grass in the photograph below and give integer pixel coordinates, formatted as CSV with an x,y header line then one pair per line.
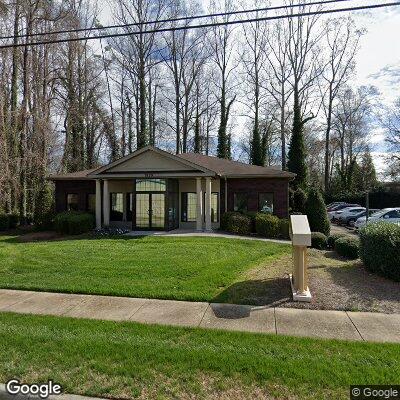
x,y
127,360
192,268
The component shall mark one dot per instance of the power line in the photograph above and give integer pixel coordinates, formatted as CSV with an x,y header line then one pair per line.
x,y
208,25
187,18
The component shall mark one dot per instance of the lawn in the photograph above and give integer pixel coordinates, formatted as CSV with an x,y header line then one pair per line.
x,y
191,268
129,360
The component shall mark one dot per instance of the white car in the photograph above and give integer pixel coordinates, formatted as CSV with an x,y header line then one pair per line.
x,y
347,212
391,215
332,215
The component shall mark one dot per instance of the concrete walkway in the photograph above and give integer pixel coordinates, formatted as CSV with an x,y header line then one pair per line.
x,y
188,233
284,321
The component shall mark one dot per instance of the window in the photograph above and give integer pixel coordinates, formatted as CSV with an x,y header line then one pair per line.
x,y
214,207
189,206
266,203
117,206
240,202
91,202
392,214
72,202
151,185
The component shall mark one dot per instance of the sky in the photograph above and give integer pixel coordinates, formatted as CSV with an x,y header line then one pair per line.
x,y
378,60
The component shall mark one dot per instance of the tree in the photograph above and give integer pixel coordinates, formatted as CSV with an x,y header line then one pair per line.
x,y
392,127
297,153
367,172
316,212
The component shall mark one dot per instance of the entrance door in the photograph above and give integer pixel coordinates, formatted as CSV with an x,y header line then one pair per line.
x,y
150,210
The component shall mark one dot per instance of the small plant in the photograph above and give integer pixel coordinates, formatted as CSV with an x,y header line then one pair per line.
x,y
380,249
332,239
74,222
319,241
267,225
348,247
235,222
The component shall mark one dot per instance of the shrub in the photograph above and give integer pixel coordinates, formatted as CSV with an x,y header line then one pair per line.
x,y
13,220
316,213
379,249
267,225
252,216
235,222
332,239
298,199
318,241
284,228
74,222
44,215
348,247
4,222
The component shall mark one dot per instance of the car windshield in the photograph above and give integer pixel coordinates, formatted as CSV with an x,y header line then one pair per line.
x,y
379,213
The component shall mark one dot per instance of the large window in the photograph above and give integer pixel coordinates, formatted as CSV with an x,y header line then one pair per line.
x,y
91,202
214,207
151,185
72,202
266,203
189,206
240,202
116,206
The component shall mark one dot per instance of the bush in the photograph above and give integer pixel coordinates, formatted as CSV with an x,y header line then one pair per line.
x,y
317,214
252,216
43,217
4,222
74,222
13,220
235,222
298,200
318,241
379,249
348,246
267,225
284,228
332,239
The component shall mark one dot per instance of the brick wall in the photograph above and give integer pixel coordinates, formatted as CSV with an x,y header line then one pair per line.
x,y
81,188
253,186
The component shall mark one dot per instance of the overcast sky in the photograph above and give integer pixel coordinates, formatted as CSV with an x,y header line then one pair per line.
x,y
378,61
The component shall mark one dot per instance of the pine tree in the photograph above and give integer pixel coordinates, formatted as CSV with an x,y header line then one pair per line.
x,y
368,171
316,212
297,152
256,154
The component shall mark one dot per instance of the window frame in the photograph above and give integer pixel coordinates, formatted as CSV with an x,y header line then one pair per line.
x,y
273,201
247,201
67,204
204,207
184,207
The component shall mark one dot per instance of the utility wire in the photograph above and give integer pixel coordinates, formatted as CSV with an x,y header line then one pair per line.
x,y
208,25
187,18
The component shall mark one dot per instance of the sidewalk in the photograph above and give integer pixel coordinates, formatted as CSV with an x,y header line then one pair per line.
x,y
282,321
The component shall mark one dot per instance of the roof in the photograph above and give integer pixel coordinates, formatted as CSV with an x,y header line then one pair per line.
x,y
231,168
219,166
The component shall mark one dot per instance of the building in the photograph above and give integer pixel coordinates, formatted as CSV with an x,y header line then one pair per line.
x,y
152,189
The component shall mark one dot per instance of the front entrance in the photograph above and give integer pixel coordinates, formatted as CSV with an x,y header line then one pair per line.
x,y
150,211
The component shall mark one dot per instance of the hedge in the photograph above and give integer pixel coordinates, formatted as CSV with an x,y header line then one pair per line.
x,y
380,249
348,246
284,228
8,221
268,225
235,222
74,222
332,239
318,241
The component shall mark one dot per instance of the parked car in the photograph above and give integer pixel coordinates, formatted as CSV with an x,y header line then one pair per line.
x,y
343,214
391,215
353,217
332,214
331,206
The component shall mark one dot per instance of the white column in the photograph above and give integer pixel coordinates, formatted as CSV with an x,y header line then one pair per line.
x,y
106,203
199,206
124,210
208,204
98,203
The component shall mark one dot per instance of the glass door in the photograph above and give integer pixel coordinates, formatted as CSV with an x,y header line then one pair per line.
x,y
143,210
150,210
